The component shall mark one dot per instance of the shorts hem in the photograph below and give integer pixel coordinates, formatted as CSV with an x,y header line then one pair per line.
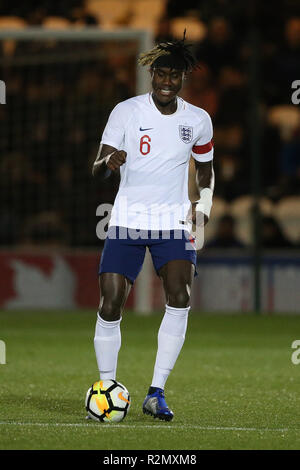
x,y
177,259
130,278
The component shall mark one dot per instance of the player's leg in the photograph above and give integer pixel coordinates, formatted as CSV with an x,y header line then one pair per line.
x,y
177,276
177,279
114,290
121,261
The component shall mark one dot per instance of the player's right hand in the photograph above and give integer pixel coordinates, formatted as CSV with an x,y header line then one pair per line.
x,y
116,159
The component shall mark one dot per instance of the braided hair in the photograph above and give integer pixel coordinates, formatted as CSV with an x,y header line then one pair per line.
x,y
173,54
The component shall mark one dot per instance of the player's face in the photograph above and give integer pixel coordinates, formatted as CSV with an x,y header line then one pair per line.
x,y
166,83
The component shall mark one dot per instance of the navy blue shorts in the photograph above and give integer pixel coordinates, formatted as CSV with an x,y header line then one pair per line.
x,y
124,255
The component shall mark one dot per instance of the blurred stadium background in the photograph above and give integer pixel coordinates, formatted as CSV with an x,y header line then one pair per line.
x,y
65,66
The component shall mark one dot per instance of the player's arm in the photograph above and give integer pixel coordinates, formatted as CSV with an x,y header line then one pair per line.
x,y
204,183
202,153
108,159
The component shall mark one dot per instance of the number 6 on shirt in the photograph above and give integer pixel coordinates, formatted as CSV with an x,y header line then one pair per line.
x,y
144,144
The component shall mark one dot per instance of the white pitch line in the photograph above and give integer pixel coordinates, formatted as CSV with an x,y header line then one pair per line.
x,y
147,426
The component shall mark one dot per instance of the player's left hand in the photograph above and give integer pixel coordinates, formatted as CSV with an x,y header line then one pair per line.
x,y
198,219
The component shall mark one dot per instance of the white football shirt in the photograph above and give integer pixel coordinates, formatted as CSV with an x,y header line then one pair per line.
x,y
153,191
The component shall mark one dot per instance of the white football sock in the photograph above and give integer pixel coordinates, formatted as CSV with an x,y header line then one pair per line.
x,y
171,337
107,342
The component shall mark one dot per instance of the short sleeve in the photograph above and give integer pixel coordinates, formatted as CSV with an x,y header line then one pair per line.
x,y
203,149
114,130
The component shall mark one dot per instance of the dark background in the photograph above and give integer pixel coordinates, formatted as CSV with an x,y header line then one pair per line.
x,y
59,98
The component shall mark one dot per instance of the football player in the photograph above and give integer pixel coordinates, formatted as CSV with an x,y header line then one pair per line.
x,y
151,138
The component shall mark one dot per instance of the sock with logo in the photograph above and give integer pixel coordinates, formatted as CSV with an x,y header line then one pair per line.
x,y
171,336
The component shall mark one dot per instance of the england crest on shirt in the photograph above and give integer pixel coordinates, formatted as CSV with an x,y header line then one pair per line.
x,y
186,134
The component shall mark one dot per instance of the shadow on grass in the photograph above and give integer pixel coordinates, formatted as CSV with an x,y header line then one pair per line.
x,y
42,406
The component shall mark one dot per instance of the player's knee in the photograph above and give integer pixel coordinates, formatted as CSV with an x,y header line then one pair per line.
x,y
110,311
178,298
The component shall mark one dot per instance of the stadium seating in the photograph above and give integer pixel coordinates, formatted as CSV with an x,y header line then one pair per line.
x,y
56,22
10,22
108,12
240,209
139,14
220,207
286,118
288,214
145,14
196,30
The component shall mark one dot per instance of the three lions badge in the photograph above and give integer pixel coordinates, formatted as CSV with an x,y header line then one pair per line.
x,y
186,134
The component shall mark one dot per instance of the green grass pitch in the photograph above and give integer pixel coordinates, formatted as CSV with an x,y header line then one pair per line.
x,y
234,385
